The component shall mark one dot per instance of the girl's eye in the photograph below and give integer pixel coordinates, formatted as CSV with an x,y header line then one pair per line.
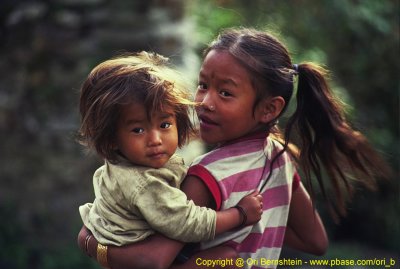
x,y
165,125
225,93
137,130
202,86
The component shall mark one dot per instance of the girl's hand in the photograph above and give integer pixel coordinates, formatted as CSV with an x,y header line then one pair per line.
x,y
251,208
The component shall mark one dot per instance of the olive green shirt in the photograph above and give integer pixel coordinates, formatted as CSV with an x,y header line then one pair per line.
x,y
132,202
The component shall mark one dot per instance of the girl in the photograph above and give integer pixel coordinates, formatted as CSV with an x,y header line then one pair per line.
x,y
135,114
245,84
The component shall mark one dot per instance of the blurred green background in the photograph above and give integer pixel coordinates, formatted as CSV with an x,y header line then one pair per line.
x,y
48,47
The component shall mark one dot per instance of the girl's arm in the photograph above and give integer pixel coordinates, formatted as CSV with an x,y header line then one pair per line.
x,y
156,251
305,230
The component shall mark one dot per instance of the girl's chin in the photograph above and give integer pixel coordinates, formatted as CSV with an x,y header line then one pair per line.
x,y
209,139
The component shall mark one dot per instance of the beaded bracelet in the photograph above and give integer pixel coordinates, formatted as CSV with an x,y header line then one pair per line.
x,y
244,215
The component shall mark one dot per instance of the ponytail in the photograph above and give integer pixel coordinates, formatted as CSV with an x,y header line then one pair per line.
x,y
327,141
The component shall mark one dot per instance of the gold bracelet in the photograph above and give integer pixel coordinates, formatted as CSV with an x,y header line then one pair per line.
x,y
102,255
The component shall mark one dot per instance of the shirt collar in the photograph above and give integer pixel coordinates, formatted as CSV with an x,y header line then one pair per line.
x,y
251,136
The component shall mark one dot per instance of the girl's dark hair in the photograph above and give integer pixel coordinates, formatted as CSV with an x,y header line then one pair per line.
x,y
326,140
143,77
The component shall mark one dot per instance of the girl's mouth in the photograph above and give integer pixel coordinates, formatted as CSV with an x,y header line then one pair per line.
x,y
206,122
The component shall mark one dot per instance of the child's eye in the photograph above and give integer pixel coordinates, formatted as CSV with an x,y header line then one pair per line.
x,y
137,130
165,125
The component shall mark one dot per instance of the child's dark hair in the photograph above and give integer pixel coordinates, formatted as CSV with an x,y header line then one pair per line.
x,y
143,77
326,140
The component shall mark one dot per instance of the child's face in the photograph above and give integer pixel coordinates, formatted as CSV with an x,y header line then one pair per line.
x,y
227,98
143,141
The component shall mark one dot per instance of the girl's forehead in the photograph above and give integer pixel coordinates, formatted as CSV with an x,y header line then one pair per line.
x,y
222,65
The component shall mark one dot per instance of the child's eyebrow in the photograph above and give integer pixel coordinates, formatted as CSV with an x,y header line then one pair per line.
x,y
133,121
166,115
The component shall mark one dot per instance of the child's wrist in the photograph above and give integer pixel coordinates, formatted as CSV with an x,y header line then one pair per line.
x,y
243,216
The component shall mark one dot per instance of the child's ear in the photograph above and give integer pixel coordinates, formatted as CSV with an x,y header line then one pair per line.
x,y
271,108
114,145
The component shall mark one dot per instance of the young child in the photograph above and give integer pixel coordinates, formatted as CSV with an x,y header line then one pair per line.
x,y
245,84
134,113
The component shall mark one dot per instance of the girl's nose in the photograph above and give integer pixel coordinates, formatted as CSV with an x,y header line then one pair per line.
x,y
207,102
154,139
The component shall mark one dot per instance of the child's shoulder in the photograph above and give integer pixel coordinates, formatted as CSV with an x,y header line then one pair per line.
x,y
176,160
128,168
126,173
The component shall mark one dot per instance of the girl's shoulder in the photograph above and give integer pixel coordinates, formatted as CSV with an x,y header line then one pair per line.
x,y
231,153
273,145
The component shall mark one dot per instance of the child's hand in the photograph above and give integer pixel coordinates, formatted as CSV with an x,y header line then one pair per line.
x,y
250,208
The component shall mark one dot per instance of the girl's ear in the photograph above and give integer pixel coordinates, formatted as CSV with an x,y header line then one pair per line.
x,y
270,108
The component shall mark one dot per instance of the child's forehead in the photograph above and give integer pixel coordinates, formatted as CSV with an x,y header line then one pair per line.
x,y
139,111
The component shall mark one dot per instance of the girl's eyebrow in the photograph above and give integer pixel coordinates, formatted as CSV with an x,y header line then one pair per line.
x,y
201,74
229,81
224,80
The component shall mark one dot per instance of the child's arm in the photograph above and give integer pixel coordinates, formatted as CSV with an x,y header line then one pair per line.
x,y
305,230
195,223
226,219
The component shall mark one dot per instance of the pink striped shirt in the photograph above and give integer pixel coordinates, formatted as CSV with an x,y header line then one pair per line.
x,y
238,168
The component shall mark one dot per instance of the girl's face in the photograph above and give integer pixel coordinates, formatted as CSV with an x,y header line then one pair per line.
x,y
144,141
227,96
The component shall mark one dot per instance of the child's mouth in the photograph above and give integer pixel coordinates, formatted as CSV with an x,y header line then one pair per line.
x,y
156,155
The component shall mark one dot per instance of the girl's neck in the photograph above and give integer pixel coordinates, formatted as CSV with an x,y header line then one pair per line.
x,y
258,134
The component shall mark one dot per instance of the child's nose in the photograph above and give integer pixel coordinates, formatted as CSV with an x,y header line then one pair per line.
x,y
154,138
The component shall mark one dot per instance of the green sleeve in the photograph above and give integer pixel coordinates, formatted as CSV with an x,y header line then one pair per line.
x,y
167,210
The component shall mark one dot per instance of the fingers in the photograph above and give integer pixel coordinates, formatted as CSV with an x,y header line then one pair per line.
x,y
260,200
255,193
